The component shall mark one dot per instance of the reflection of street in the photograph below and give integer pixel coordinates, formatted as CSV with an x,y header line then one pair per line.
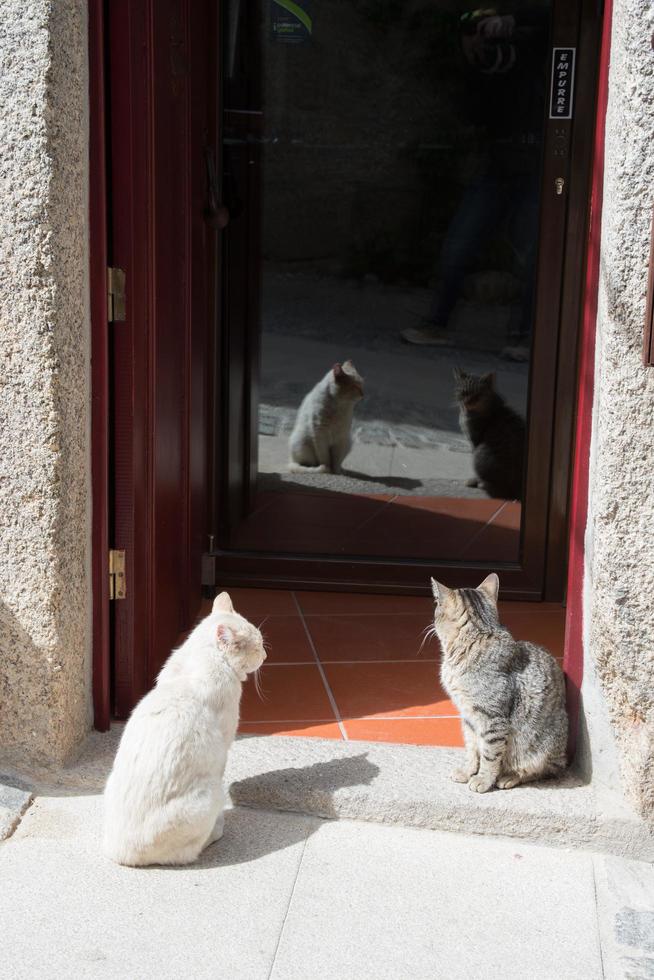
x,y
406,431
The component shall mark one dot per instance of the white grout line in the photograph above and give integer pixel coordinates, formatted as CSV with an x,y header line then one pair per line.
x,y
401,660
290,901
330,695
291,721
327,721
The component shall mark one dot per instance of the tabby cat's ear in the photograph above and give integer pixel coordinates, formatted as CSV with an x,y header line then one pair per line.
x,y
223,603
489,379
459,375
439,591
490,586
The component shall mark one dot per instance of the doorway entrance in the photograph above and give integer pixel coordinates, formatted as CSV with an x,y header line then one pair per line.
x,y
406,187
295,187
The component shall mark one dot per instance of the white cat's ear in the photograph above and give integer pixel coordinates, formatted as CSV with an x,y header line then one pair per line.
x,y
490,586
224,636
222,603
439,591
338,371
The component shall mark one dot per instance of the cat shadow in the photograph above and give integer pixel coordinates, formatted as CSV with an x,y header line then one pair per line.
x,y
401,482
256,828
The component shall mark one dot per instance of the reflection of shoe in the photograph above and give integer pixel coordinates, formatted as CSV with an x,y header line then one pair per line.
x,y
516,354
429,334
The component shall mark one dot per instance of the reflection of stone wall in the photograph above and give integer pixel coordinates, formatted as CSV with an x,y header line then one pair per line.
x,y
360,122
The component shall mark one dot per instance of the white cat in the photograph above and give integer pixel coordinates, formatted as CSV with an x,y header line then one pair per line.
x,y
164,799
321,437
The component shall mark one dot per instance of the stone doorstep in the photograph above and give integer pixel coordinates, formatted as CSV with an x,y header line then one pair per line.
x,y
406,785
14,801
411,786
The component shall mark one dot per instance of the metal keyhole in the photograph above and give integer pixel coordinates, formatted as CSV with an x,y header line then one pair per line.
x,y
559,183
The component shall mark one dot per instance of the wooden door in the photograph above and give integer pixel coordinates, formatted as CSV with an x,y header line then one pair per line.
x,y
162,116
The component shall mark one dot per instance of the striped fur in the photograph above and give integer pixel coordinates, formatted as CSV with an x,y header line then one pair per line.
x,y
510,693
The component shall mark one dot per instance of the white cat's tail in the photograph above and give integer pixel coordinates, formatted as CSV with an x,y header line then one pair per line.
x,y
294,467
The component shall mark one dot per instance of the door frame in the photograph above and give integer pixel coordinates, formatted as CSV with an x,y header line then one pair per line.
x,y
581,373
100,476
552,389
573,653
151,372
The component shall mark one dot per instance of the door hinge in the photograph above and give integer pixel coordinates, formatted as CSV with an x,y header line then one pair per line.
x,y
117,581
115,295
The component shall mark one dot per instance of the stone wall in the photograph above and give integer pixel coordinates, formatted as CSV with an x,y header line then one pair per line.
x,y
45,596
619,606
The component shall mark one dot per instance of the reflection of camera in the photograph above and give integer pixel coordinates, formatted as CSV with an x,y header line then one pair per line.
x,y
470,21
488,49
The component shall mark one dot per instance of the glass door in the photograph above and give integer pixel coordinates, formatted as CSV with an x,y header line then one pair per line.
x,y
396,179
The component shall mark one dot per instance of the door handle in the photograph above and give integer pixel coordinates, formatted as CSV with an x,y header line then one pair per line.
x,y
215,213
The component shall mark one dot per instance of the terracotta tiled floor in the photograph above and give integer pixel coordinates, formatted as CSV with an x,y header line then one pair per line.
x,y
353,666
316,521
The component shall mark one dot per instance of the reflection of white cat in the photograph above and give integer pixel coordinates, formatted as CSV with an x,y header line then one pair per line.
x,y
321,437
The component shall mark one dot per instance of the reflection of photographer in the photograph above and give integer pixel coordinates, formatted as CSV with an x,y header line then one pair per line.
x,y
505,54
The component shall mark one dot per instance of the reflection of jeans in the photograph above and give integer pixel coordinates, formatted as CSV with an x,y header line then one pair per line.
x,y
486,204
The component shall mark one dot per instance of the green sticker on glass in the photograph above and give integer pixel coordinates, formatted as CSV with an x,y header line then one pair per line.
x,y
291,22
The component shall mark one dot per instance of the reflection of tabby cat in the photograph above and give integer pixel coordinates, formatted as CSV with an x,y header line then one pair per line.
x,y
321,437
496,432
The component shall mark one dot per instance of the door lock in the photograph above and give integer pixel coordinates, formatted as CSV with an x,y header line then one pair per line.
x,y
559,183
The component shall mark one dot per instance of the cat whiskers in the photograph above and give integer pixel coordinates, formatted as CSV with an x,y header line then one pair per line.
x,y
428,633
258,685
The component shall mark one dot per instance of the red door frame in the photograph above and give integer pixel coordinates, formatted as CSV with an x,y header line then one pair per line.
x,y
101,680
573,659
574,647
149,420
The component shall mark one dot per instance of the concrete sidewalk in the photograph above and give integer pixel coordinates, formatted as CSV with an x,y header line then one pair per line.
x,y
287,896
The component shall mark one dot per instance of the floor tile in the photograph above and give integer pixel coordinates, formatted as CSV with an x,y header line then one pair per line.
x,y
378,689
354,603
474,509
424,527
68,912
286,640
394,904
408,731
514,605
255,604
308,730
294,693
500,539
546,627
371,637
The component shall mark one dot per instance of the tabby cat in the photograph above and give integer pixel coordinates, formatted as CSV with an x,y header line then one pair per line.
x,y
496,432
510,693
